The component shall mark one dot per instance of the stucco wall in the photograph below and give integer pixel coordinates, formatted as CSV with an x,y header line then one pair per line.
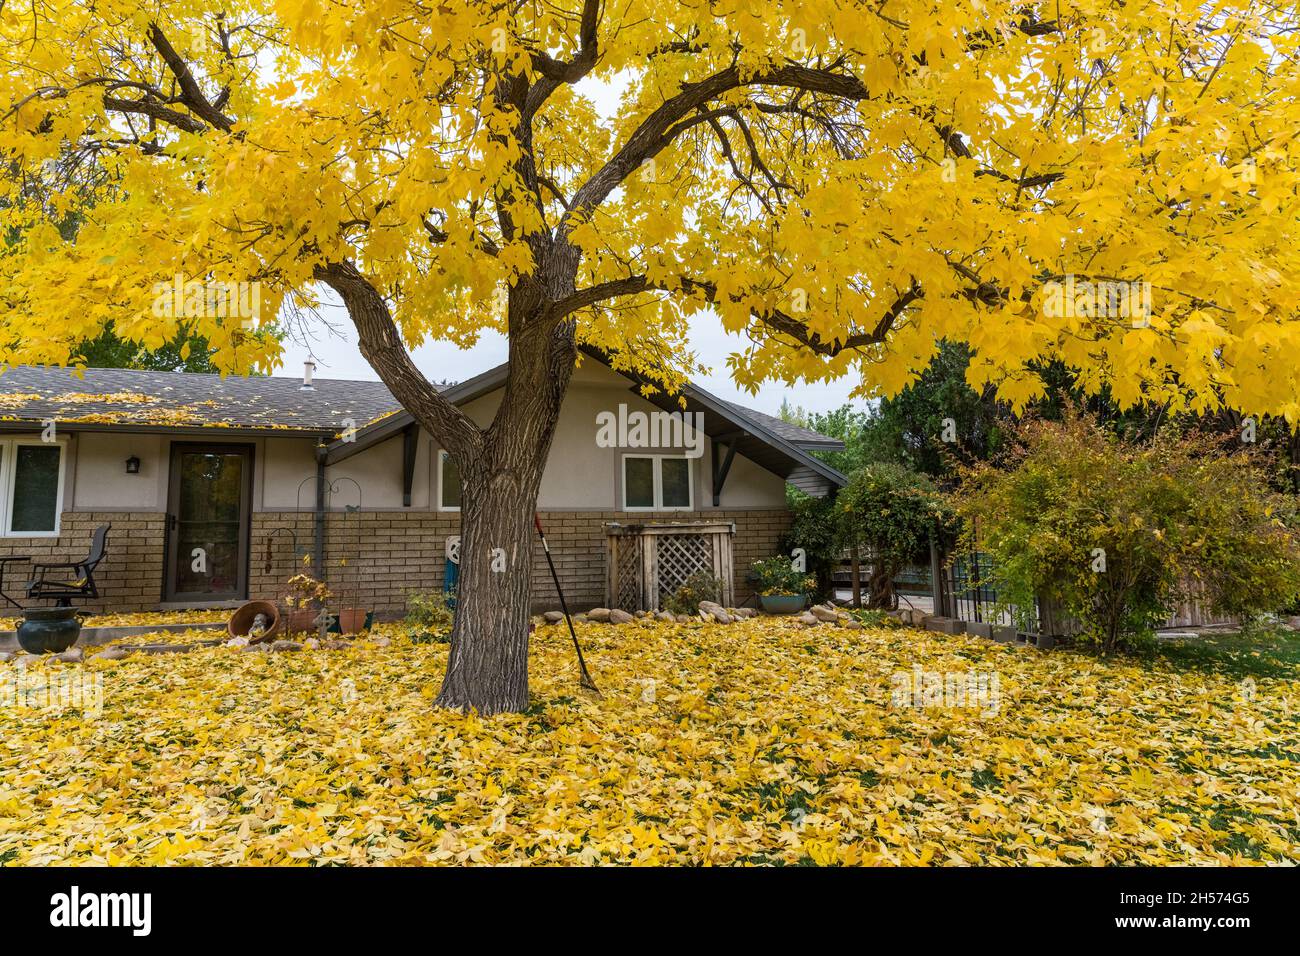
x,y
580,474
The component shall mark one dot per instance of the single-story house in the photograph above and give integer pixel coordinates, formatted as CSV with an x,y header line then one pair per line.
x,y
219,490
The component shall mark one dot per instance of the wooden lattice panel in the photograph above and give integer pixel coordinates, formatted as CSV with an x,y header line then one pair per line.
x,y
627,575
647,563
680,556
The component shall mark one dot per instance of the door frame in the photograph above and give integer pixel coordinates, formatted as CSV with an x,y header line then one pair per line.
x,y
171,523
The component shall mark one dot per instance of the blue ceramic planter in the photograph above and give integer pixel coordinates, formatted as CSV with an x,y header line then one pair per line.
x,y
782,603
49,630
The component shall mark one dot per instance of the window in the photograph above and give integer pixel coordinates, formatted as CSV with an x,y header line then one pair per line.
x,y
448,483
31,487
656,483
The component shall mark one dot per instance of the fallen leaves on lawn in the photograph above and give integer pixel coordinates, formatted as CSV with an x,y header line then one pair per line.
x,y
759,742
139,619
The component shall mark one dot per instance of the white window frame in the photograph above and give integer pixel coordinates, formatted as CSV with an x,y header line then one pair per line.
x,y
9,474
442,460
657,471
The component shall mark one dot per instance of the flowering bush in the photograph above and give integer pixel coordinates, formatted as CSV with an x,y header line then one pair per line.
x,y
777,575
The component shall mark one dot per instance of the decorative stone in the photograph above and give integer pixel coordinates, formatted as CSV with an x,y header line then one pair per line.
x,y
336,645
381,642
286,646
823,613
599,614
853,625
553,617
684,619
807,618
311,644
666,617
619,616
73,656
112,654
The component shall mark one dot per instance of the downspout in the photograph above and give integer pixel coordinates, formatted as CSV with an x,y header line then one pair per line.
x,y
318,537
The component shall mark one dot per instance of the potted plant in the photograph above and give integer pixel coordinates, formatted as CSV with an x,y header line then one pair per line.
x,y
781,588
306,602
352,620
49,630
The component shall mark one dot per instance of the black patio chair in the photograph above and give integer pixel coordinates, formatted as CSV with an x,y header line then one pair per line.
x,y
82,583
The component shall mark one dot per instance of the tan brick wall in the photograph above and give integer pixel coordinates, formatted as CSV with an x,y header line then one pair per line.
x,y
129,578
389,554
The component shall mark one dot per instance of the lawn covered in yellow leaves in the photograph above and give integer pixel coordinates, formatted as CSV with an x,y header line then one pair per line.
x,y
758,742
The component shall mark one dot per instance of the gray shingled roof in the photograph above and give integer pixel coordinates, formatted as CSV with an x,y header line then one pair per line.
x,y
796,434
110,396
186,400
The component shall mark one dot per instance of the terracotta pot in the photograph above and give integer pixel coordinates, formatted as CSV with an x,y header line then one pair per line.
x,y
352,620
242,620
49,630
299,621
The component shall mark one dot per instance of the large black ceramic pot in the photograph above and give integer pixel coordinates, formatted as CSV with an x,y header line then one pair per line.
x,y
49,630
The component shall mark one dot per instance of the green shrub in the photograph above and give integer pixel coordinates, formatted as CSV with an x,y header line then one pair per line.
x,y
814,529
874,617
428,616
890,513
700,586
777,575
1116,534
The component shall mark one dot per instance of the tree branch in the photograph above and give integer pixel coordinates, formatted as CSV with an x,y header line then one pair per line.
x,y
670,119
192,95
774,319
381,344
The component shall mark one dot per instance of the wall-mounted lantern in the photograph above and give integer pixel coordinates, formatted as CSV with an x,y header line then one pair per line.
x,y
133,465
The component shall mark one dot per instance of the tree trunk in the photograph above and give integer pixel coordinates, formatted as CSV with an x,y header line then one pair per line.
x,y
500,469
488,667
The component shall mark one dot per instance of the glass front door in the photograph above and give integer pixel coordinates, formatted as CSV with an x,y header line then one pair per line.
x,y
208,522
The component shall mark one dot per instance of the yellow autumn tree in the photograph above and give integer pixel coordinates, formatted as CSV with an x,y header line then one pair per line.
x,y
1110,184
